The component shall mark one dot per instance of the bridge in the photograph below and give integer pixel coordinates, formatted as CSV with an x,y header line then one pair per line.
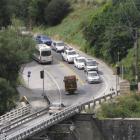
x,y
22,123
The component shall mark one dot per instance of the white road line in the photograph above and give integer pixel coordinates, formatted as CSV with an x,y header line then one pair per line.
x,y
72,71
51,76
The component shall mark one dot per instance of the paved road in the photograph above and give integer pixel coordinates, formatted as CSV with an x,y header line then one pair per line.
x,y
54,86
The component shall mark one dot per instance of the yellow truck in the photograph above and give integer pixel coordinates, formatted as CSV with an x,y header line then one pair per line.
x,y
70,83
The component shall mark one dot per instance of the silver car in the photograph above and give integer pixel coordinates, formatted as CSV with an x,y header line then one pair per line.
x,y
58,46
90,65
93,77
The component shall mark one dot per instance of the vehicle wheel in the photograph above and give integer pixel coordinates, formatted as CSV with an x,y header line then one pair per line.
x,y
68,61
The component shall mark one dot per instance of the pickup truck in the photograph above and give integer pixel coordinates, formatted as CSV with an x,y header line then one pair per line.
x,y
69,55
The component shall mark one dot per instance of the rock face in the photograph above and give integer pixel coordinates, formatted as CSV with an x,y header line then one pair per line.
x,y
87,127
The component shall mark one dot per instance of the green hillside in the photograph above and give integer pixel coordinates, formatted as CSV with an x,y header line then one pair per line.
x,y
109,41
70,29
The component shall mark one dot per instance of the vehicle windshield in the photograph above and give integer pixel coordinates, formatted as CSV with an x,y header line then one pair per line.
x,y
60,44
91,63
45,53
45,38
81,60
72,53
92,74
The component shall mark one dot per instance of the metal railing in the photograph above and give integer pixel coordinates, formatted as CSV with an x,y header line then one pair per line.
x,y
54,118
23,120
15,113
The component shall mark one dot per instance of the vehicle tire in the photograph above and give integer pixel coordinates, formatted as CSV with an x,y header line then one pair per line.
x,y
68,61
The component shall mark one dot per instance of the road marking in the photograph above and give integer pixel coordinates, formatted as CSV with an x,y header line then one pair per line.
x,y
72,71
53,78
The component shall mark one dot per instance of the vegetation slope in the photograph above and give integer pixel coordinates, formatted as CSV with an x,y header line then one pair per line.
x,y
106,31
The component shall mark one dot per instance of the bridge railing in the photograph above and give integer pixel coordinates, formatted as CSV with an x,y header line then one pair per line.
x,y
44,123
22,120
97,101
15,113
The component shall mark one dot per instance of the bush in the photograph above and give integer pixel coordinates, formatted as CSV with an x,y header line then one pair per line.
x,y
7,92
56,11
125,106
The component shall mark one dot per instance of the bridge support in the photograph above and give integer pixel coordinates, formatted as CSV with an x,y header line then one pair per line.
x,y
79,127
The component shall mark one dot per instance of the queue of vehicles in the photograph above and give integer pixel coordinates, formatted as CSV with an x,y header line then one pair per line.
x,y
43,54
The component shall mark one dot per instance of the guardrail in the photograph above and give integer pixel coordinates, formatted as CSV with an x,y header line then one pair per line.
x,y
55,118
94,102
15,113
23,120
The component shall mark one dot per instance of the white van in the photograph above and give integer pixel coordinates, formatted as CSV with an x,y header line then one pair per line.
x,y
43,54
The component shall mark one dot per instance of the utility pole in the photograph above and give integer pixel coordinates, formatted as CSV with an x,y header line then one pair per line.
x,y
136,54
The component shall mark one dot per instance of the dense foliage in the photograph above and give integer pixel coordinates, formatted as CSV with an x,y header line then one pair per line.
x,y
126,106
33,12
4,13
56,11
7,96
15,50
111,31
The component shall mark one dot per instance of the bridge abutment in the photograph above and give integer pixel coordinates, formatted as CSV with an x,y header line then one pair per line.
x,y
88,127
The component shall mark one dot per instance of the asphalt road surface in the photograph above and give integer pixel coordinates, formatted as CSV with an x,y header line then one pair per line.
x,y
54,86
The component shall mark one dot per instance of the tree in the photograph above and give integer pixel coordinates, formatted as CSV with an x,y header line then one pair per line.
x,y
4,13
14,51
32,11
111,30
56,11
7,93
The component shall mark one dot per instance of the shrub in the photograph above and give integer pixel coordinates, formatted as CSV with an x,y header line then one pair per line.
x,y
7,93
125,106
56,11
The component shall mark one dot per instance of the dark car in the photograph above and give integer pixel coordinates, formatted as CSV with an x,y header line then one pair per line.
x,y
43,39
